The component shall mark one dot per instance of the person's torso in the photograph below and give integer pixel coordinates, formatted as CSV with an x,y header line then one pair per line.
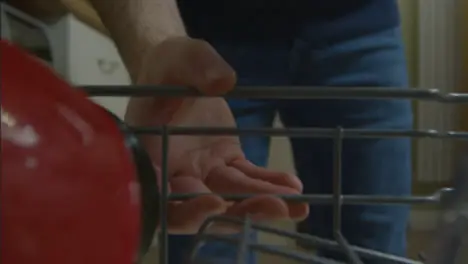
x,y
282,19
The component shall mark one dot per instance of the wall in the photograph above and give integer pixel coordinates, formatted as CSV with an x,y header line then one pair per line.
x,y
409,17
464,44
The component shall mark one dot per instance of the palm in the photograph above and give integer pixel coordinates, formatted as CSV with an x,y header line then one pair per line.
x,y
199,155
216,164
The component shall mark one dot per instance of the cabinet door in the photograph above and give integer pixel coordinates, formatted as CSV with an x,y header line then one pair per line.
x,y
93,59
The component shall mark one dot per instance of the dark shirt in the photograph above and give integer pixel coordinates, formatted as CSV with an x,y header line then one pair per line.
x,y
250,20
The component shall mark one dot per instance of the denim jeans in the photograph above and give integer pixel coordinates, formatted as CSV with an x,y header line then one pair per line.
x,y
369,166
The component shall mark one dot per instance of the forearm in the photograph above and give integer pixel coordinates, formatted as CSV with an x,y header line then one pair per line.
x,y
137,25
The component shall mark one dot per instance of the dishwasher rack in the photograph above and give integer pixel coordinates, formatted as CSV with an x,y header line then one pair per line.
x,y
453,225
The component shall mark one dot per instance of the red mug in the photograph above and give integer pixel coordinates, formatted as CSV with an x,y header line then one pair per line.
x,y
71,190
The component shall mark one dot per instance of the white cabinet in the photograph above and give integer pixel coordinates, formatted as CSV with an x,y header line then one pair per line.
x,y
93,57
87,57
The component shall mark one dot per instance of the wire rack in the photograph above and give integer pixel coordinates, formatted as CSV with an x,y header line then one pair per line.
x,y
453,222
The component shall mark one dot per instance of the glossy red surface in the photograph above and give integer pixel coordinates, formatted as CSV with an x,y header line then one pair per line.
x,y
69,193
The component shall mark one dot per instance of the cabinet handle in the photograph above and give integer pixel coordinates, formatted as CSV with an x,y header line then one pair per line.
x,y
107,66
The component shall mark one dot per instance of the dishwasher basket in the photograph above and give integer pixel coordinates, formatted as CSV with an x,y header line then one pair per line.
x,y
453,226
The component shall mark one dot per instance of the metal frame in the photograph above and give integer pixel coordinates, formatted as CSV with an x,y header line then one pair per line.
x,y
455,200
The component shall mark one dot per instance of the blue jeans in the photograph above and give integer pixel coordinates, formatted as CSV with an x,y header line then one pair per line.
x,y
370,166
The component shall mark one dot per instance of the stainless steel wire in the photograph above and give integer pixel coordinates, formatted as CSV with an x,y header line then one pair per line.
x,y
449,229
283,92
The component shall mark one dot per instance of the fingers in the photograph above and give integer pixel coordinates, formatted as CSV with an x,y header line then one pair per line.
x,y
258,209
261,208
229,180
256,172
187,217
298,211
159,179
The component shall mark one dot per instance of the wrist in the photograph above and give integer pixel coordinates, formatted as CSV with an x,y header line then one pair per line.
x,y
137,26
137,53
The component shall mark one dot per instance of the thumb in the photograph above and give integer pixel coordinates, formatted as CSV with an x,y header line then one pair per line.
x,y
179,61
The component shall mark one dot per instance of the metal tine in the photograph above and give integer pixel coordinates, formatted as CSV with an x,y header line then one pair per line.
x,y
329,199
245,247
316,241
453,226
300,132
288,254
338,198
450,231
244,242
163,205
348,250
204,261
282,92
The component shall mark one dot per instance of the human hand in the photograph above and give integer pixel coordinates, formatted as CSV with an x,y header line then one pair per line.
x,y
206,165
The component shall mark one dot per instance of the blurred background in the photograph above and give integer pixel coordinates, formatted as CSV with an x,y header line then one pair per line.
x,y
69,36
